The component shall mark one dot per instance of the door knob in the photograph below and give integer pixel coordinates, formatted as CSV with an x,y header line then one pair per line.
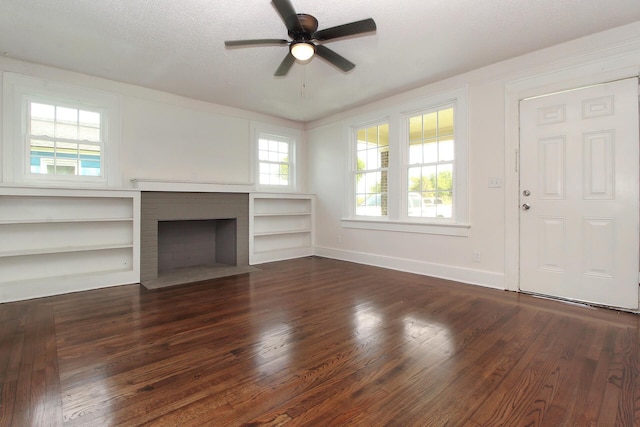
x,y
526,206
526,193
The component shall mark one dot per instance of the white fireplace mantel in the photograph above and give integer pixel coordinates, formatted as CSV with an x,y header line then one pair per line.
x,y
190,186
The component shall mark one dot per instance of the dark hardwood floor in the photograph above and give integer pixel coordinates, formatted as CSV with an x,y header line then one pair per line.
x,y
316,342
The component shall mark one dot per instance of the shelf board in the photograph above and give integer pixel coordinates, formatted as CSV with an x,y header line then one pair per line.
x,y
61,250
63,220
283,232
291,251
282,214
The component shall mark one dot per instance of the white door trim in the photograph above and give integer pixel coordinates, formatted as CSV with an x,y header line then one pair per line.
x,y
585,74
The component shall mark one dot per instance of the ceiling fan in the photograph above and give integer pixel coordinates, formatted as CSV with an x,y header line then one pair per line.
x,y
302,29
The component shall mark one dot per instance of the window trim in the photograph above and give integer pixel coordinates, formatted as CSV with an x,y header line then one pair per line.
x,y
284,134
20,89
398,219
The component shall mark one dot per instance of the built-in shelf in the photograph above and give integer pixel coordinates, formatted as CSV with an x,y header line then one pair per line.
x,y
280,226
62,240
59,250
63,220
283,214
282,232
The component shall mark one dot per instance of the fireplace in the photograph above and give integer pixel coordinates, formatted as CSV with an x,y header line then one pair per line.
x,y
194,243
188,237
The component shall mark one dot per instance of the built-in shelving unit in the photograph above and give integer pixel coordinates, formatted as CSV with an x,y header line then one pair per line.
x,y
280,226
54,241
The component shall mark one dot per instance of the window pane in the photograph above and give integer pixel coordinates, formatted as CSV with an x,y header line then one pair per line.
x,y
430,124
67,131
90,160
67,115
445,177
445,150
90,119
42,127
383,135
42,111
89,134
445,122
415,153
65,169
430,151
415,129
40,150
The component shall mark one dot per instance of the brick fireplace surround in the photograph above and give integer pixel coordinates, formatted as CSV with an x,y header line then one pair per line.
x,y
159,206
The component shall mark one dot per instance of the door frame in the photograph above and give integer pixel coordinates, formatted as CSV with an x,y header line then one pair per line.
x,y
588,72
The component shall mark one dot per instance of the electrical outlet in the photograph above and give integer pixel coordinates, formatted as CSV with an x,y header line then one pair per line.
x,y
495,182
476,256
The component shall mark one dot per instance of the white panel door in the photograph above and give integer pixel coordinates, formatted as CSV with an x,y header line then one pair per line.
x,y
579,194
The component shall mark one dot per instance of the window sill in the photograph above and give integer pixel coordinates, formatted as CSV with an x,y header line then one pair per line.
x,y
458,230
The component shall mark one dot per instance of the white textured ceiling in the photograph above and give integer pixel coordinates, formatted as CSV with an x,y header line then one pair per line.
x,y
177,45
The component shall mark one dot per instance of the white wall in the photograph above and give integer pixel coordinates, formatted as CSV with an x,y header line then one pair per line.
x,y
168,137
492,100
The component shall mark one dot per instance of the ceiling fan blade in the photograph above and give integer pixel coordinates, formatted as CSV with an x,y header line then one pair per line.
x,y
285,65
234,43
288,14
335,59
358,27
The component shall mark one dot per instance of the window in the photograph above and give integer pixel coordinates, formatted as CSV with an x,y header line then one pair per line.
x,y
64,140
277,157
274,160
372,170
430,170
409,171
59,133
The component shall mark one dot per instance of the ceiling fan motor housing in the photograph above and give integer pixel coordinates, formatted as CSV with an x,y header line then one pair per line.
x,y
309,26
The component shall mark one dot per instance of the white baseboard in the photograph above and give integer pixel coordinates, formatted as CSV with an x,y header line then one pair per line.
x,y
464,275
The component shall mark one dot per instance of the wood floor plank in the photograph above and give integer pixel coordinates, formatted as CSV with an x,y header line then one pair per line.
x,y
315,341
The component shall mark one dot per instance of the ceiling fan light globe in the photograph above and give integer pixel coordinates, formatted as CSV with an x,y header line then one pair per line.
x,y
303,51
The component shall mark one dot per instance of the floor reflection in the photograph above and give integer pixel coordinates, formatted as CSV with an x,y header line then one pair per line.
x,y
431,337
274,349
367,321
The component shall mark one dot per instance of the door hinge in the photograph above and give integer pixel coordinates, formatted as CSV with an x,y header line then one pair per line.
x,y
517,160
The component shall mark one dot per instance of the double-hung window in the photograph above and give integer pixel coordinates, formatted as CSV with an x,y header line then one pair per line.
x,y
409,172
372,170
60,134
64,140
275,160
431,159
